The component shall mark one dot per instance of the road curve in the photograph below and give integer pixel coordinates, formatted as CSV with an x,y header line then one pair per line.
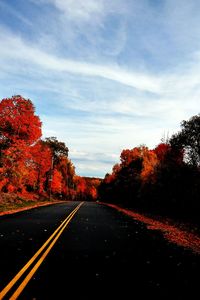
x,y
99,253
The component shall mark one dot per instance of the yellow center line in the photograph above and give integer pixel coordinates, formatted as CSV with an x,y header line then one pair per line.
x,y
58,231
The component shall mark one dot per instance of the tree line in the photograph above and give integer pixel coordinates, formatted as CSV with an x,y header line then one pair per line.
x,y
32,167
164,180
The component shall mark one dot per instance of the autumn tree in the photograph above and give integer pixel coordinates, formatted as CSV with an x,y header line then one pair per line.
x,y
164,180
61,174
27,163
20,128
80,186
59,149
67,171
39,165
18,121
136,165
86,188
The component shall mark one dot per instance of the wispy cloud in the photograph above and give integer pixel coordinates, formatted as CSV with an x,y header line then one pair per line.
x,y
86,11
17,50
79,10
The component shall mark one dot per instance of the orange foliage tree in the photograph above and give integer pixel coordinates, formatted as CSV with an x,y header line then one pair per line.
x,y
62,172
86,188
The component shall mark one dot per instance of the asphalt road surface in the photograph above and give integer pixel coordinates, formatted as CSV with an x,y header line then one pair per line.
x,y
95,252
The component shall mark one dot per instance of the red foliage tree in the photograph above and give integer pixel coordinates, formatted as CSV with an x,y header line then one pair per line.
x,y
20,128
39,165
18,121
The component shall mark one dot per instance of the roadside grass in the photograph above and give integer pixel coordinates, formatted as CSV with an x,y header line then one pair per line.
x,y
10,206
10,203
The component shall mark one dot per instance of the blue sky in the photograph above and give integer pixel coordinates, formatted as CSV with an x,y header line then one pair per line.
x,y
103,75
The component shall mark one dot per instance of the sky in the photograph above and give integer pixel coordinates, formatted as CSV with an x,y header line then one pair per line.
x,y
103,75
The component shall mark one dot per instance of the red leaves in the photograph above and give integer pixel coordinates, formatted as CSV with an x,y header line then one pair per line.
x,y
18,120
161,150
20,129
86,187
56,184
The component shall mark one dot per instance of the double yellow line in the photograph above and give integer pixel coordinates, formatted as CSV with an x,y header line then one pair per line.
x,y
47,246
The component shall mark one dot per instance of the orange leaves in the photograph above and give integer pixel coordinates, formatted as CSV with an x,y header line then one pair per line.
x,y
131,158
86,187
150,161
127,156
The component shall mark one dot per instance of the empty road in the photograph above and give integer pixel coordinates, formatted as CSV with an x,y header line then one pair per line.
x,y
77,250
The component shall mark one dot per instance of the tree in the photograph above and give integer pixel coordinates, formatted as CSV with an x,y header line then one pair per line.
x,y
189,140
18,121
20,129
61,165
39,165
149,164
86,188
58,148
67,171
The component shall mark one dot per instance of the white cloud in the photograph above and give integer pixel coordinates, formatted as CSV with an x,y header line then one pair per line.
x,y
16,49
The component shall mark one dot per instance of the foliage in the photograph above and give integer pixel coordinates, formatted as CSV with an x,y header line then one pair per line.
x,y
164,180
18,121
86,188
20,129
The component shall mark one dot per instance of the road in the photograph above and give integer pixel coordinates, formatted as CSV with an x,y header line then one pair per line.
x,y
100,253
